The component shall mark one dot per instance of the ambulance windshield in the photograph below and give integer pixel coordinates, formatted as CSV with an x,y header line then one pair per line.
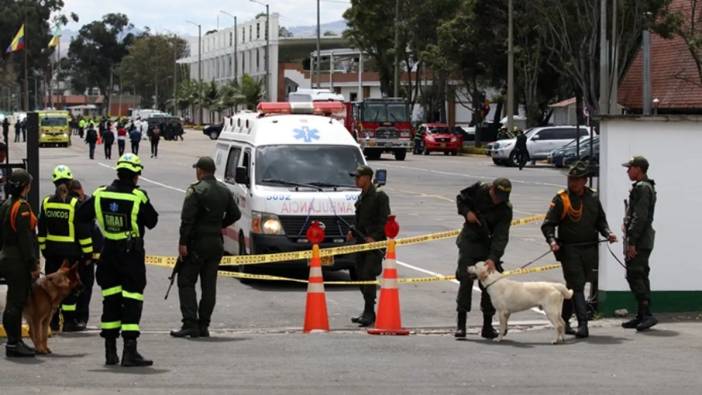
x,y
307,164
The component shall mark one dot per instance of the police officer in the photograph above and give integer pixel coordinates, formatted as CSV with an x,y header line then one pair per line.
x,y
520,147
639,238
62,237
19,259
488,217
123,211
208,207
579,217
372,211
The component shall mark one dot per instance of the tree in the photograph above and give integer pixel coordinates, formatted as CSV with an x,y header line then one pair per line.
x,y
251,90
149,66
230,96
98,47
284,32
684,19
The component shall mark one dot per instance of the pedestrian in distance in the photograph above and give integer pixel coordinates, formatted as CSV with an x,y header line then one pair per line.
x,y
372,211
208,208
18,130
91,138
154,138
24,130
108,138
19,259
5,129
4,172
135,138
578,216
487,214
62,238
123,212
121,138
639,237
522,153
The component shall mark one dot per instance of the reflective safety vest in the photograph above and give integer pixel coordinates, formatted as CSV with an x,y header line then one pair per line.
x,y
117,213
57,229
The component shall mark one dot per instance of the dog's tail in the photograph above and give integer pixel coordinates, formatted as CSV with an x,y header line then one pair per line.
x,y
567,293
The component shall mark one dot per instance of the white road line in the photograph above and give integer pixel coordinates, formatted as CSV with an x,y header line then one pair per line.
x,y
448,173
148,180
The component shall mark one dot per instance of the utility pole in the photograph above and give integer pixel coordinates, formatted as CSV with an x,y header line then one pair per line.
x,y
318,64
646,44
109,90
175,76
604,61
199,66
234,55
396,76
614,95
510,68
267,96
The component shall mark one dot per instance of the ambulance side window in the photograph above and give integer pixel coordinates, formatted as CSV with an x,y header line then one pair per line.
x,y
246,163
232,163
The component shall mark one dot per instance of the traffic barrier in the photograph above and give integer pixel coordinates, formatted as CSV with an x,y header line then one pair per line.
x,y
388,321
316,317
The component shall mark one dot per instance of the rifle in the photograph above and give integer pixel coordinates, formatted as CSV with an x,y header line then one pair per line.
x,y
625,226
171,278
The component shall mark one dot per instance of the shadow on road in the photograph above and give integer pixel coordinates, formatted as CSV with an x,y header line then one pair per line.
x,y
130,370
659,333
219,339
64,356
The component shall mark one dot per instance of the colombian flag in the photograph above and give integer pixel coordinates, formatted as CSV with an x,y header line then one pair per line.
x,y
17,42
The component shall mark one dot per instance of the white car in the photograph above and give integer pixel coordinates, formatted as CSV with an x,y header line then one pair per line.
x,y
540,142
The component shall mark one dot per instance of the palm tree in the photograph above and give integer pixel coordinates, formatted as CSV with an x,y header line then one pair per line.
x,y
230,96
251,90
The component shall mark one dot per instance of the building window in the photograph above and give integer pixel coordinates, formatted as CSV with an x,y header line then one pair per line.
x,y
353,96
243,61
231,36
337,90
258,60
250,33
258,30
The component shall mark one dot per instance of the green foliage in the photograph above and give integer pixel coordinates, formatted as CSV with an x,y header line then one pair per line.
x,y
251,91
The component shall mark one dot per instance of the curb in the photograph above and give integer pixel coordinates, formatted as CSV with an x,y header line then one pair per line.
x,y
475,151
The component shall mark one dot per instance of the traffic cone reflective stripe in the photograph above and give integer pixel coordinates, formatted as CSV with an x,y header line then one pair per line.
x,y
388,321
316,318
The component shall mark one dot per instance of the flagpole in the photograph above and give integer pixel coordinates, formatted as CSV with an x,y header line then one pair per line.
x,y
26,73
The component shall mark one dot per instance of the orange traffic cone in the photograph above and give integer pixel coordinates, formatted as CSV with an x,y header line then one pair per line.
x,y
388,321
99,139
316,318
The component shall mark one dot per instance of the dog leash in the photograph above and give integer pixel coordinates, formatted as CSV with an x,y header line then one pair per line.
x,y
570,245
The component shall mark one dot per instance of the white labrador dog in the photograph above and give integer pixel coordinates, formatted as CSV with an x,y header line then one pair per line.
x,y
512,296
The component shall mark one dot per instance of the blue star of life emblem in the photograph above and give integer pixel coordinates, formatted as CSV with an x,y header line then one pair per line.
x,y
114,207
306,134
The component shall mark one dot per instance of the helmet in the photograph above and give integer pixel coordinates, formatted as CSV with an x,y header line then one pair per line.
x,y
130,162
19,178
61,172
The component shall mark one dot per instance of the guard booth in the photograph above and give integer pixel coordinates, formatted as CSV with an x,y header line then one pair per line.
x,y
672,144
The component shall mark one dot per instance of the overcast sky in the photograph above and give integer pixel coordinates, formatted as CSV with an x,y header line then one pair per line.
x,y
172,14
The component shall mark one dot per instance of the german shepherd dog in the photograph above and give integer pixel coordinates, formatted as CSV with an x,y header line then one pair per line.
x,y
45,298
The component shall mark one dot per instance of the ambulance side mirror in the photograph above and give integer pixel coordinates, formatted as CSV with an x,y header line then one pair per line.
x,y
381,177
242,176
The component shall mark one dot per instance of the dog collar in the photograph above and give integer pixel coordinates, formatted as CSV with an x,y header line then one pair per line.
x,y
489,285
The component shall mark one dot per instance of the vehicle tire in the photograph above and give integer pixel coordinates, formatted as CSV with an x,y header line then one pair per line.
x,y
512,162
373,155
497,162
425,151
242,252
214,135
454,153
400,155
446,153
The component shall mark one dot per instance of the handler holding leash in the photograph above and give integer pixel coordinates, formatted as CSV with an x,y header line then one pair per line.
x,y
488,217
208,208
579,217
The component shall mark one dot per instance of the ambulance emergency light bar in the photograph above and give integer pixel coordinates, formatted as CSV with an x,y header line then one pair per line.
x,y
330,109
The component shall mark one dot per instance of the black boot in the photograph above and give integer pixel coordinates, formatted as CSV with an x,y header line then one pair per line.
x,y
368,316
461,325
111,357
130,355
633,323
189,329
647,319
581,314
204,328
488,331
566,313
17,349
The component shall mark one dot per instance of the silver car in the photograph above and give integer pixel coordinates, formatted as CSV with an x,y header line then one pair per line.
x,y
540,142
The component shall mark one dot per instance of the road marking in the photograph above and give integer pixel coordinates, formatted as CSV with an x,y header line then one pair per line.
x,y
148,180
448,173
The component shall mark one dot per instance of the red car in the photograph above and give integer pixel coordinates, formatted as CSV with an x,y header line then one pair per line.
x,y
437,137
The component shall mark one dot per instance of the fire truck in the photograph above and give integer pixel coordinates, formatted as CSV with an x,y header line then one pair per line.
x,y
381,125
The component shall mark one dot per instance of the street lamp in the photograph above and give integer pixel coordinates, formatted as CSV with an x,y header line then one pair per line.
x,y
236,39
268,43
199,65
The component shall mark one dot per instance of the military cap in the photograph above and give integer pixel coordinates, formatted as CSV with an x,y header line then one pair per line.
x,y
503,187
580,169
205,163
362,170
637,161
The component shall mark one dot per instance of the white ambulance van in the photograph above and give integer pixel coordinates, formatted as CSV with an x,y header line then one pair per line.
x,y
287,165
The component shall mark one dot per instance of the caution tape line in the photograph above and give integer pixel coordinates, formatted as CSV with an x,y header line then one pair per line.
x,y
402,280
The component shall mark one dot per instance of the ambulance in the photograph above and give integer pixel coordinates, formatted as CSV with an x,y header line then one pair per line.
x,y
287,165
53,128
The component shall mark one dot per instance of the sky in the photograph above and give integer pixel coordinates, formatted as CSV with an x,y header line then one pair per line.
x,y
160,15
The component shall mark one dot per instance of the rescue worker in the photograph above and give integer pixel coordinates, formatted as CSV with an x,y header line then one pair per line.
x,y
123,211
639,236
208,208
488,217
62,237
579,217
372,211
19,259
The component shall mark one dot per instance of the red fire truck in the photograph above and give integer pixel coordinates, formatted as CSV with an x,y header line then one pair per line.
x,y
381,125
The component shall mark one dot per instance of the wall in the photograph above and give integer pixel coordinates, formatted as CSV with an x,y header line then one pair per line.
x,y
671,144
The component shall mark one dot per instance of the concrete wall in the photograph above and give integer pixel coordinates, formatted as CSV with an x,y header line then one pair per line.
x,y
672,146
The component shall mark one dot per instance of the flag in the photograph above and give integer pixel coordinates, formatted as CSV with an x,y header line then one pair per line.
x,y
17,42
54,42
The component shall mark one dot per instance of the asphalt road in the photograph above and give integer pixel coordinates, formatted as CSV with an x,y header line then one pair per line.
x,y
258,345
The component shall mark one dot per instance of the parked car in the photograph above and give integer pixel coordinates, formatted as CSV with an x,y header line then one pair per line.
x,y
555,157
540,142
213,131
468,132
570,156
433,137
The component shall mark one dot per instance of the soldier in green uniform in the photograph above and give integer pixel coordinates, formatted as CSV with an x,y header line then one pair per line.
x,y
208,207
579,217
372,211
488,217
639,238
19,258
